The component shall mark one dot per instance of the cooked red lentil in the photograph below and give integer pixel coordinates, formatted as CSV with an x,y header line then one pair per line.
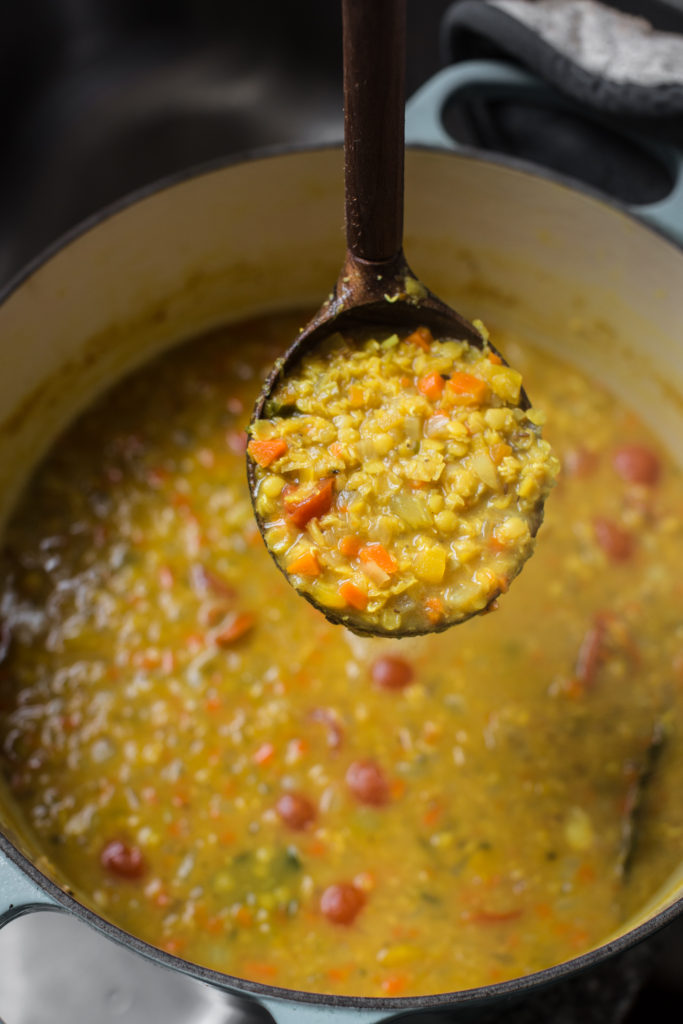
x,y
399,483
220,771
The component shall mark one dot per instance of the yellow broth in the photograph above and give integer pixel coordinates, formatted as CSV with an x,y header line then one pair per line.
x,y
203,756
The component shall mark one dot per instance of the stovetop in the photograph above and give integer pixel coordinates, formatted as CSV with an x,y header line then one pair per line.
x,y
102,97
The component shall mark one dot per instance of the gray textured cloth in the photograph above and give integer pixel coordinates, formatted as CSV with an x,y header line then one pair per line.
x,y
602,41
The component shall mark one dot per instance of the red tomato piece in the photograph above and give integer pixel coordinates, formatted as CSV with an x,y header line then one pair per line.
x,y
391,672
295,810
617,543
637,464
341,903
367,782
314,505
122,859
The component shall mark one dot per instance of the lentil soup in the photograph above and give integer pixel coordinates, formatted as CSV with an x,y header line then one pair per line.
x,y
399,483
217,769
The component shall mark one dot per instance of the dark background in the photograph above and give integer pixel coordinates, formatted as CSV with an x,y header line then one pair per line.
x,y
99,97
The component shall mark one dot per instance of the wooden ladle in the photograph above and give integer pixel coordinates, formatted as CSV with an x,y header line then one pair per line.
x,y
375,286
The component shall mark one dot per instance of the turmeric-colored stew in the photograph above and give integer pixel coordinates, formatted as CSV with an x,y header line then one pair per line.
x,y
218,770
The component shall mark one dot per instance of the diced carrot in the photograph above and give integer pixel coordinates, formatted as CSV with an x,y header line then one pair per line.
x,y
305,565
468,389
337,450
317,848
244,917
264,754
434,609
431,385
422,337
314,505
499,452
212,702
235,628
174,946
349,546
394,984
378,554
353,595
259,970
495,359
267,451
214,925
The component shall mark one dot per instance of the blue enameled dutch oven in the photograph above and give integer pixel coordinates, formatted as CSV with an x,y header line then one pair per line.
x,y
551,260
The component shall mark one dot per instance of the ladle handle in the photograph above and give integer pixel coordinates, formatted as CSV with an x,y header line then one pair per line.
x,y
374,111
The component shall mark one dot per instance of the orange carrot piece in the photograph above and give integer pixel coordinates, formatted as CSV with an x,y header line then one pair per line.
x,y
349,546
305,565
468,389
495,359
394,984
422,337
378,554
431,385
314,505
265,452
337,450
434,609
353,595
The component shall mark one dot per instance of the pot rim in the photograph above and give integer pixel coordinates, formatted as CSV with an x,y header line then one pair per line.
x,y
65,898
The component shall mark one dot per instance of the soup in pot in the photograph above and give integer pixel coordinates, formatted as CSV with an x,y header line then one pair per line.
x,y
218,770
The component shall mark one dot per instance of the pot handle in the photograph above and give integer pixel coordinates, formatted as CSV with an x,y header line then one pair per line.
x,y
425,127
19,894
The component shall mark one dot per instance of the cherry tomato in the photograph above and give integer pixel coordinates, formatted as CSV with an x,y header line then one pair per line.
x,y
367,782
341,903
391,672
295,810
615,541
637,464
123,860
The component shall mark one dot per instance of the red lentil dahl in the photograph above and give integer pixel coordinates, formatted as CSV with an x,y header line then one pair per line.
x,y
218,770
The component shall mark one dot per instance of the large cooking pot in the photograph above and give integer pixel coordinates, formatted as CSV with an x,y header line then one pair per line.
x,y
563,267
